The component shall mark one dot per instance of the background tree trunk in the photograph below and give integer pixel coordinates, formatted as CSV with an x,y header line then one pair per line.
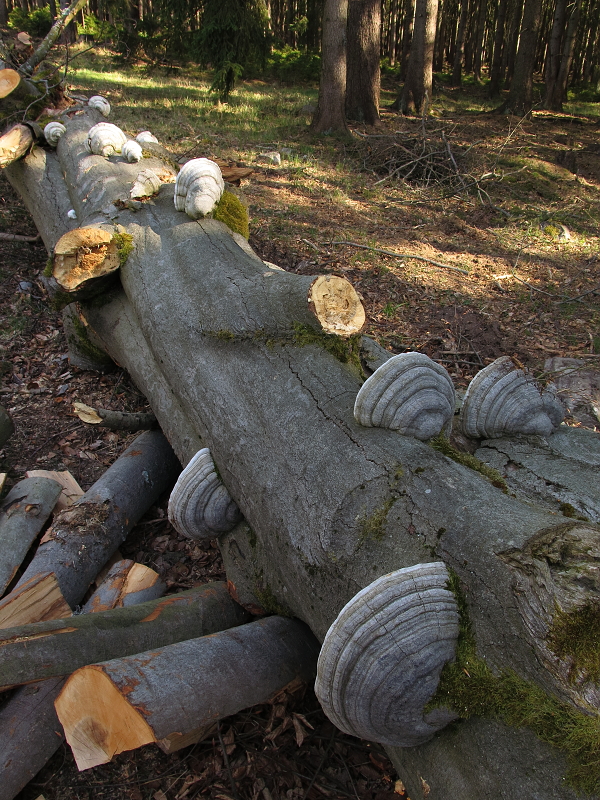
x,y
416,93
520,97
329,116
363,75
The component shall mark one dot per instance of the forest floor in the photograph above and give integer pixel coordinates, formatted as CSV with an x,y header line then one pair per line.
x,y
514,205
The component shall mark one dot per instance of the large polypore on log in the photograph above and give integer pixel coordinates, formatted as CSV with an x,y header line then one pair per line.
x,y
236,358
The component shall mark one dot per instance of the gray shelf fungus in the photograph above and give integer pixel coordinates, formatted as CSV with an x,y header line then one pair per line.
x,y
146,136
53,131
101,104
105,139
410,394
200,506
146,184
381,660
198,187
503,400
132,151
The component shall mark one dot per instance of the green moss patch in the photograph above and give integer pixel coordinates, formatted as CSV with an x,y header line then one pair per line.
x,y
267,600
576,635
81,342
345,349
233,213
373,527
470,688
124,244
442,445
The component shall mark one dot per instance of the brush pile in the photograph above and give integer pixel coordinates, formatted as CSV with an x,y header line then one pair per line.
x,y
422,158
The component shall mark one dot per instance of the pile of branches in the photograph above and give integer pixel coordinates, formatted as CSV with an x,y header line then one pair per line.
x,y
421,159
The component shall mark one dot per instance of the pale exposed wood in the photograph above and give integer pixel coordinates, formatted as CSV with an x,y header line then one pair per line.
x,y
177,741
123,704
39,598
336,305
15,143
82,255
71,490
23,514
3,476
98,721
126,583
9,80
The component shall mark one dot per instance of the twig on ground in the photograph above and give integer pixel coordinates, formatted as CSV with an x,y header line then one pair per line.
x,y
579,296
17,237
403,256
320,767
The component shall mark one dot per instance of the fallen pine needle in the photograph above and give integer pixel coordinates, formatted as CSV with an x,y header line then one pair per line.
x,y
17,237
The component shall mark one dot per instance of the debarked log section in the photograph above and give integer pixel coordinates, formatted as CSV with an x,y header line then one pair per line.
x,y
126,703
330,506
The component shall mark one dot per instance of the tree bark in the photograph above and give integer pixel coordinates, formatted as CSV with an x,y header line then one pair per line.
x,y
24,512
520,97
460,44
417,90
329,505
329,117
556,85
363,77
30,732
119,705
51,649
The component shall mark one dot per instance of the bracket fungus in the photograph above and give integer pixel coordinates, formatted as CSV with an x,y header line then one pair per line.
x,y
146,184
105,139
53,131
198,187
146,136
132,151
200,507
100,103
409,393
381,660
502,400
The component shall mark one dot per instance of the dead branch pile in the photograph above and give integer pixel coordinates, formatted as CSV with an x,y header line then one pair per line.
x,y
422,158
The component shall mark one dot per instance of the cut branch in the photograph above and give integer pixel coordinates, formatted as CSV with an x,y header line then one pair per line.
x,y
115,420
30,732
23,515
84,536
43,650
123,704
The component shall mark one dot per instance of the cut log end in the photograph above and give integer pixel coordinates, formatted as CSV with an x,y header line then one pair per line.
x,y
98,722
15,143
82,255
336,305
9,80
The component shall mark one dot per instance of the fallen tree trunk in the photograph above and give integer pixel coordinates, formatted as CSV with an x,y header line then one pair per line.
x,y
30,732
84,536
119,705
25,510
43,650
234,355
